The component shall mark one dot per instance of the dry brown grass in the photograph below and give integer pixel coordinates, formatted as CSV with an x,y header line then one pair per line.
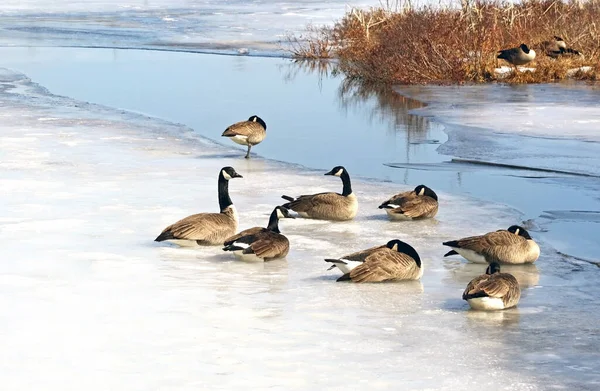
x,y
437,45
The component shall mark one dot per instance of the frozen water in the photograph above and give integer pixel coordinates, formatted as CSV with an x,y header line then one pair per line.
x,y
92,299
252,27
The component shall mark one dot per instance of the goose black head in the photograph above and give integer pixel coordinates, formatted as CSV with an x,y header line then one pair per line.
x,y
283,213
424,190
556,37
229,172
336,171
524,48
405,248
493,267
256,118
517,230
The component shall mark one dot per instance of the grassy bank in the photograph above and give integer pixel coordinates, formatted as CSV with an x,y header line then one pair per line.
x,y
435,44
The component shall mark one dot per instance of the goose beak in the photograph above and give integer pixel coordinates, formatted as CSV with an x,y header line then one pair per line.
x,y
236,175
329,173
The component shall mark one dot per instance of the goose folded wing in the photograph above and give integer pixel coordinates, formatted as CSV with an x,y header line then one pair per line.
x,y
383,265
244,128
269,245
199,226
417,206
246,232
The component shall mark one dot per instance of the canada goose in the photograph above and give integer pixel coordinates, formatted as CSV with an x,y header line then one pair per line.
x,y
557,47
505,246
207,228
517,56
261,244
393,261
420,203
493,290
327,206
553,48
248,133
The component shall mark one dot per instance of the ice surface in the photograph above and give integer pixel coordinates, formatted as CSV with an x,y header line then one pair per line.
x,y
244,27
93,300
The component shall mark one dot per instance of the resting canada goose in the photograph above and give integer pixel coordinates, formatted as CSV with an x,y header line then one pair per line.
x,y
393,261
517,56
261,244
553,48
557,47
207,228
248,133
493,290
505,246
420,203
327,206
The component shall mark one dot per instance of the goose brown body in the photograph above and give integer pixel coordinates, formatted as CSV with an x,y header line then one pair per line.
x,y
250,132
259,243
504,246
393,261
206,228
419,203
327,206
520,55
493,290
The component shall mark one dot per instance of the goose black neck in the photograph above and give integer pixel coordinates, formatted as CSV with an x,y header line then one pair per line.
x,y
274,222
224,200
347,185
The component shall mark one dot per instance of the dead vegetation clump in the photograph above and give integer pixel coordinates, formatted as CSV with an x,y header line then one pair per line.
x,y
439,45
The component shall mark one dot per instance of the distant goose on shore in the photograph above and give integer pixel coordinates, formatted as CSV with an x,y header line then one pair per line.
x,y
520,55
557,47
394,261
505,246
420,203
250,132
207,228
261,244
493,290
327,206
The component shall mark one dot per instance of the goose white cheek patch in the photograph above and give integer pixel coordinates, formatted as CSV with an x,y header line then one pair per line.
x,y
225,175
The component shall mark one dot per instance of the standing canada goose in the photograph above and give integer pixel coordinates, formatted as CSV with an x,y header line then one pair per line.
x,y
394,261
261,244
420,203
207,228
248,133
493,290
517,56
505,246
327,206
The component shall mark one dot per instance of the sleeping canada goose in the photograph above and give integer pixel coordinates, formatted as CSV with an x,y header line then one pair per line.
x,y
493,290
393,261
505,246
207,228
261,244
248,133
517,56
554,47
557,47
327,206
420,203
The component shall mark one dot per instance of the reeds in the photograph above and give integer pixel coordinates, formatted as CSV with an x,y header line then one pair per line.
x,y
440,45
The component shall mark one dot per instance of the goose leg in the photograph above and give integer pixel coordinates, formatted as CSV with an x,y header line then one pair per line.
x,y
248,153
